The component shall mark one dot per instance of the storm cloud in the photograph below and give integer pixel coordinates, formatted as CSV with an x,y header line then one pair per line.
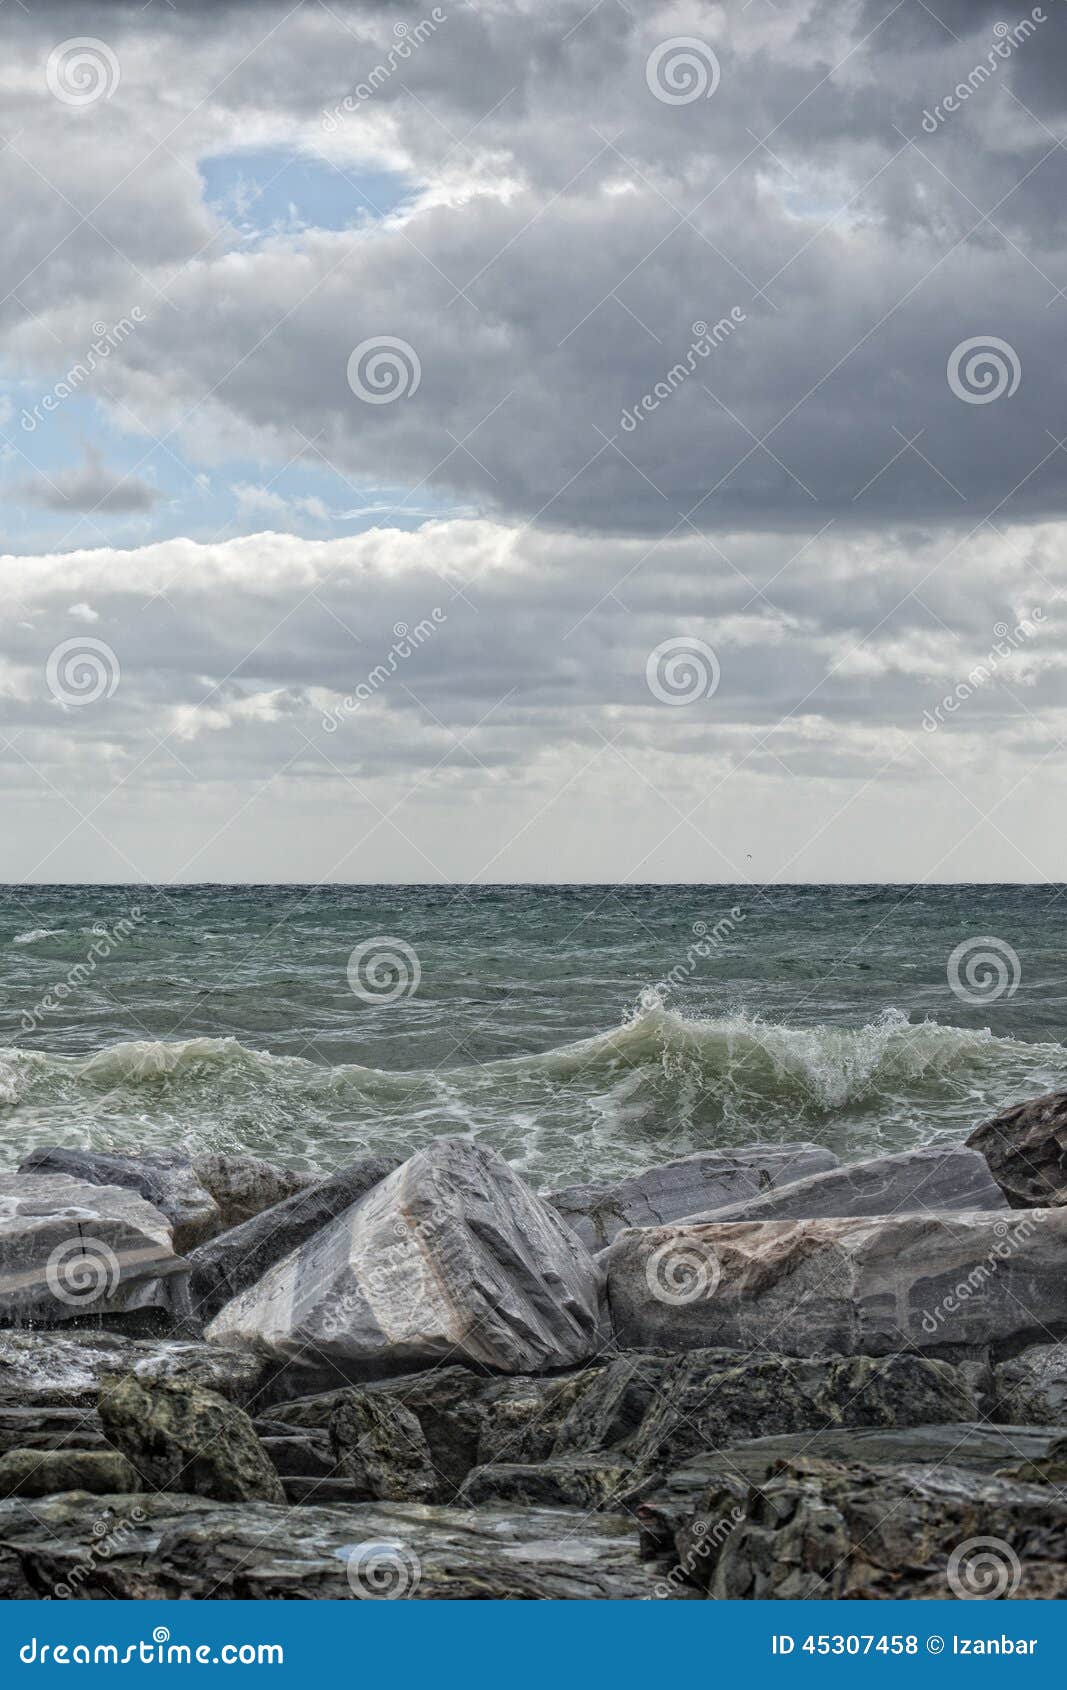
x,y
590,330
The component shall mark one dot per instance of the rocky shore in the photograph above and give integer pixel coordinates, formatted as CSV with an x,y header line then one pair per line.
x,y
750,1373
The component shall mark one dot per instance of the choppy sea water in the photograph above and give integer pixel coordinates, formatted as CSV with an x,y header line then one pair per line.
x,y
582,1031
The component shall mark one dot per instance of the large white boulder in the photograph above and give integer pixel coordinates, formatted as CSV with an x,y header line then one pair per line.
x,y
450,1258
960,1282
600,1209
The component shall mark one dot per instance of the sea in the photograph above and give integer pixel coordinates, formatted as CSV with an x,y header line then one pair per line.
x,y
585,1032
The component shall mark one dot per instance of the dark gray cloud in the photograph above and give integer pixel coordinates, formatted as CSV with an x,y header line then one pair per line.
x,y
705,369
568,246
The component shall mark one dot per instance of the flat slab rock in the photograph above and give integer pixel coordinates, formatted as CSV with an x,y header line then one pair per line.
x,y
69,1249
711,1178
452,1257
166,1547
1026,1149
64,1369
856,1286
935,1178
199,1195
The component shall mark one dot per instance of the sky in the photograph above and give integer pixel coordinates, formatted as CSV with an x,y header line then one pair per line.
x,y
533,442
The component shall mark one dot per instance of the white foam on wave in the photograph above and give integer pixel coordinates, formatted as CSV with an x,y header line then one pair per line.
x,y
36,933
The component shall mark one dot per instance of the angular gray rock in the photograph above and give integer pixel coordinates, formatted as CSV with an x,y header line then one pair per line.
x,y
451,1257
65,1368
71,1250
1026,1148
947,1285
181,1547
974,1445
711,1178
1031,1388
164,1178
200,1195
570,1440
181,1437
35,1472
939,1177
822,1531
22,1427
574,1481
380,1446
243,1186
229,1264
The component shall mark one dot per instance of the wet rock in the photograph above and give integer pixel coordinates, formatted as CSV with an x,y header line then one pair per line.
x,y
939,1177
229,1264
446,1402
857,1286
66,1368
200,1195
22,1427
1032,1387
244,1186
35,1472
975,1445
450,1257
1026,1149
70,1249
164,1178
713,1399
575,1481
641,1413
823,1531
181,1437
380,1446
711,1178
296,1453
169,1547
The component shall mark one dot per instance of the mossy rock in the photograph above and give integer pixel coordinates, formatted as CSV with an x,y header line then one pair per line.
x,y
181,1437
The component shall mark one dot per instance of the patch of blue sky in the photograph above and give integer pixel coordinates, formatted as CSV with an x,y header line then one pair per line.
x,y
74,479
275,191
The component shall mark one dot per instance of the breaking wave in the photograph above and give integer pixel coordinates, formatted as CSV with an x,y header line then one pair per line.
x,y
659,1084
